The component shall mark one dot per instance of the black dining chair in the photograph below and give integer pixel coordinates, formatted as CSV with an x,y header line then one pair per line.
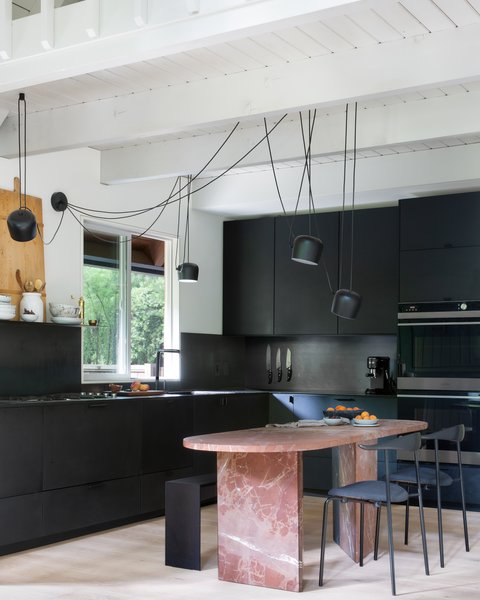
x,y
435,477
378,493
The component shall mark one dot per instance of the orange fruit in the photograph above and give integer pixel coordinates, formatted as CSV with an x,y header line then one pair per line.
x,y
358,418
373,418
340,407
365,414
356,408
330,409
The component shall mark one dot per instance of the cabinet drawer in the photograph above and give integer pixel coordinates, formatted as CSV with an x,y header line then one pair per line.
x,y
20,519
91,441
89,505
20,450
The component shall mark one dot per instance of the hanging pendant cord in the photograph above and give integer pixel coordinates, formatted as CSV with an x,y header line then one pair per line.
x,y
23,177
343,197
179,181
353,190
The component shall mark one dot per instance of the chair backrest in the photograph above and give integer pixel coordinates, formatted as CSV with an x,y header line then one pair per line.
x,y
450,434
411,441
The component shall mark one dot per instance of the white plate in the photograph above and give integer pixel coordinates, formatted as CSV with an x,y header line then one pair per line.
x,y
67,320
365,423
6,318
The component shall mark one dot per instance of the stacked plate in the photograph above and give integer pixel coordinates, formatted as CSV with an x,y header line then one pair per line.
x,y
7,309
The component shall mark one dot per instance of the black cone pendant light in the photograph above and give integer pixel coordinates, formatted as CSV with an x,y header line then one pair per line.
x,y
187,271
346,302
307,249
21,223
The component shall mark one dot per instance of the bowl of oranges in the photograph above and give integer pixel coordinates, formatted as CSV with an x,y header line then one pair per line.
x,y
365,419
341,410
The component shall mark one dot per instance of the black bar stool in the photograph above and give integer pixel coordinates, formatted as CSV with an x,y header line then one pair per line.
x,y
378,493
436,477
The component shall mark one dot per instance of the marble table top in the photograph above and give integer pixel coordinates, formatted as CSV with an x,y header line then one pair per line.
x,y
298,439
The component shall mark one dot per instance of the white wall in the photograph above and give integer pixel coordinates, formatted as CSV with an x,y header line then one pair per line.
x,y
76,173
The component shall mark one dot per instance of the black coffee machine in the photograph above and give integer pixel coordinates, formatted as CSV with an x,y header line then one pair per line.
x,y
379,374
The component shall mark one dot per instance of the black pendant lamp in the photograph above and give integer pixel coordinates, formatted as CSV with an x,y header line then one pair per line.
x,y
187,271
21,223
346,302
307,249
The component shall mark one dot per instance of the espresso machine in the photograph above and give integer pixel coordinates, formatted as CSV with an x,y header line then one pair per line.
x,y
379,374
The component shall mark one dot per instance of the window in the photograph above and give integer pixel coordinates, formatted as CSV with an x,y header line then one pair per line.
x,y
128,308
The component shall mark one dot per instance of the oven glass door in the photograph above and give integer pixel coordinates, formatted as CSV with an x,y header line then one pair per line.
x,y
442,410
439,355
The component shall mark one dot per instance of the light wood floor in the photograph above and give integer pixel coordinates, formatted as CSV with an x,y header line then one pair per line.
x,y
128,563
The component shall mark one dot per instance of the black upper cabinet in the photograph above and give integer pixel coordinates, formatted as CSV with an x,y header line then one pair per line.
x,y
448,221
438,275
166,421
248,272
375,270
91,441
302,296
20,450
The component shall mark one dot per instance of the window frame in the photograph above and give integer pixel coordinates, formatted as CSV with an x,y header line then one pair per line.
x,y
171,307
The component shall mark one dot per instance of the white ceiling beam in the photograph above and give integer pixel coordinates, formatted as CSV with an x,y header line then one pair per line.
x,y
47,24
328,80
5,29
92,8
385,126
379,180
226,21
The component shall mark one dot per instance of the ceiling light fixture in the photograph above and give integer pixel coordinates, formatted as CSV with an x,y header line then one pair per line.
x,y
346,302
307,249
187,271
22,224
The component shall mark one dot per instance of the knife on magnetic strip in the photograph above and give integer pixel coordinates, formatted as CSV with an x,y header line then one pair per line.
x,y
288,364
268,363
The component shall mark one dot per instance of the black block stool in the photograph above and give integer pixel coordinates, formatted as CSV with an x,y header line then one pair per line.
x,y
183,499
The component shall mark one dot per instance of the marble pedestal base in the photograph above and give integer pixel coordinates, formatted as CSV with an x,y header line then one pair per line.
x,y
260,513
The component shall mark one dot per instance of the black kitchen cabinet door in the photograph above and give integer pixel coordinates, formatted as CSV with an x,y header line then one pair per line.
x,y
166,421
20,519
375,270
436,275
248,271
153,488
20,450
88,442
302,297
440,221
90,505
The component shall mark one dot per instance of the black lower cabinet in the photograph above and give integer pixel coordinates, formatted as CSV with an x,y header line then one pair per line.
x,y
20,519
153,488
84,506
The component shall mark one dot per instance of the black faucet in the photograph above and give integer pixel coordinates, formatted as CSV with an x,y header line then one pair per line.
x,y
159,363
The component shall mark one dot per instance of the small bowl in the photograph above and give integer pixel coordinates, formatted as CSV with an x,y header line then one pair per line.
x,y
4,298
28,317
334,421
63,310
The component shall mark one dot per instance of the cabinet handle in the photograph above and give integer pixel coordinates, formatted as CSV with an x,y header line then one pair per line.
x,y
98,405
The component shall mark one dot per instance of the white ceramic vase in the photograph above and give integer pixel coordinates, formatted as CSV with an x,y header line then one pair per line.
x,y
32,302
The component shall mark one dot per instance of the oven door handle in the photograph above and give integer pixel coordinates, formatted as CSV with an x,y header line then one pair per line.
x,y
437,323
443,396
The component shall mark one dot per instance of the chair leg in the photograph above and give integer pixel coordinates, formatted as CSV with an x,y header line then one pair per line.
x,y
423,530
462,492
390,548
377,532
440,522
323,540
407,517
362,518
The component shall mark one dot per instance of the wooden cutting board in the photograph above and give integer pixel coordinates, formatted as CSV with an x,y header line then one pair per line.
x,y
26,256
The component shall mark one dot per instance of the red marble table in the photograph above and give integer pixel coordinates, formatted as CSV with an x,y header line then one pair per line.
x,y
260,495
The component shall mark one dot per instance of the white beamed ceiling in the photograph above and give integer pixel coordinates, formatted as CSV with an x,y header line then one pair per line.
x,y
158,100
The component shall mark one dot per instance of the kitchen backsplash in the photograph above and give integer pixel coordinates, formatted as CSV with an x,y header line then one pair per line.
x,y
327,364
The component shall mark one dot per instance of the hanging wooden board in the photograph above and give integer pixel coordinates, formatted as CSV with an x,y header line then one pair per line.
x,y
26,256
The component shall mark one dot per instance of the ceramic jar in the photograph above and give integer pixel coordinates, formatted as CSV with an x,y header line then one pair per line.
x,y
31,302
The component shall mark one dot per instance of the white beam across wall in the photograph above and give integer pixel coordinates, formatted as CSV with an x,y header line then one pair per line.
x,y
383,126
380,180
5,29
47,24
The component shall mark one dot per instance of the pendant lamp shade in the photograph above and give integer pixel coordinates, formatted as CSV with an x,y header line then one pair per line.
x,y
22,225
346,304
188,272
307,249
